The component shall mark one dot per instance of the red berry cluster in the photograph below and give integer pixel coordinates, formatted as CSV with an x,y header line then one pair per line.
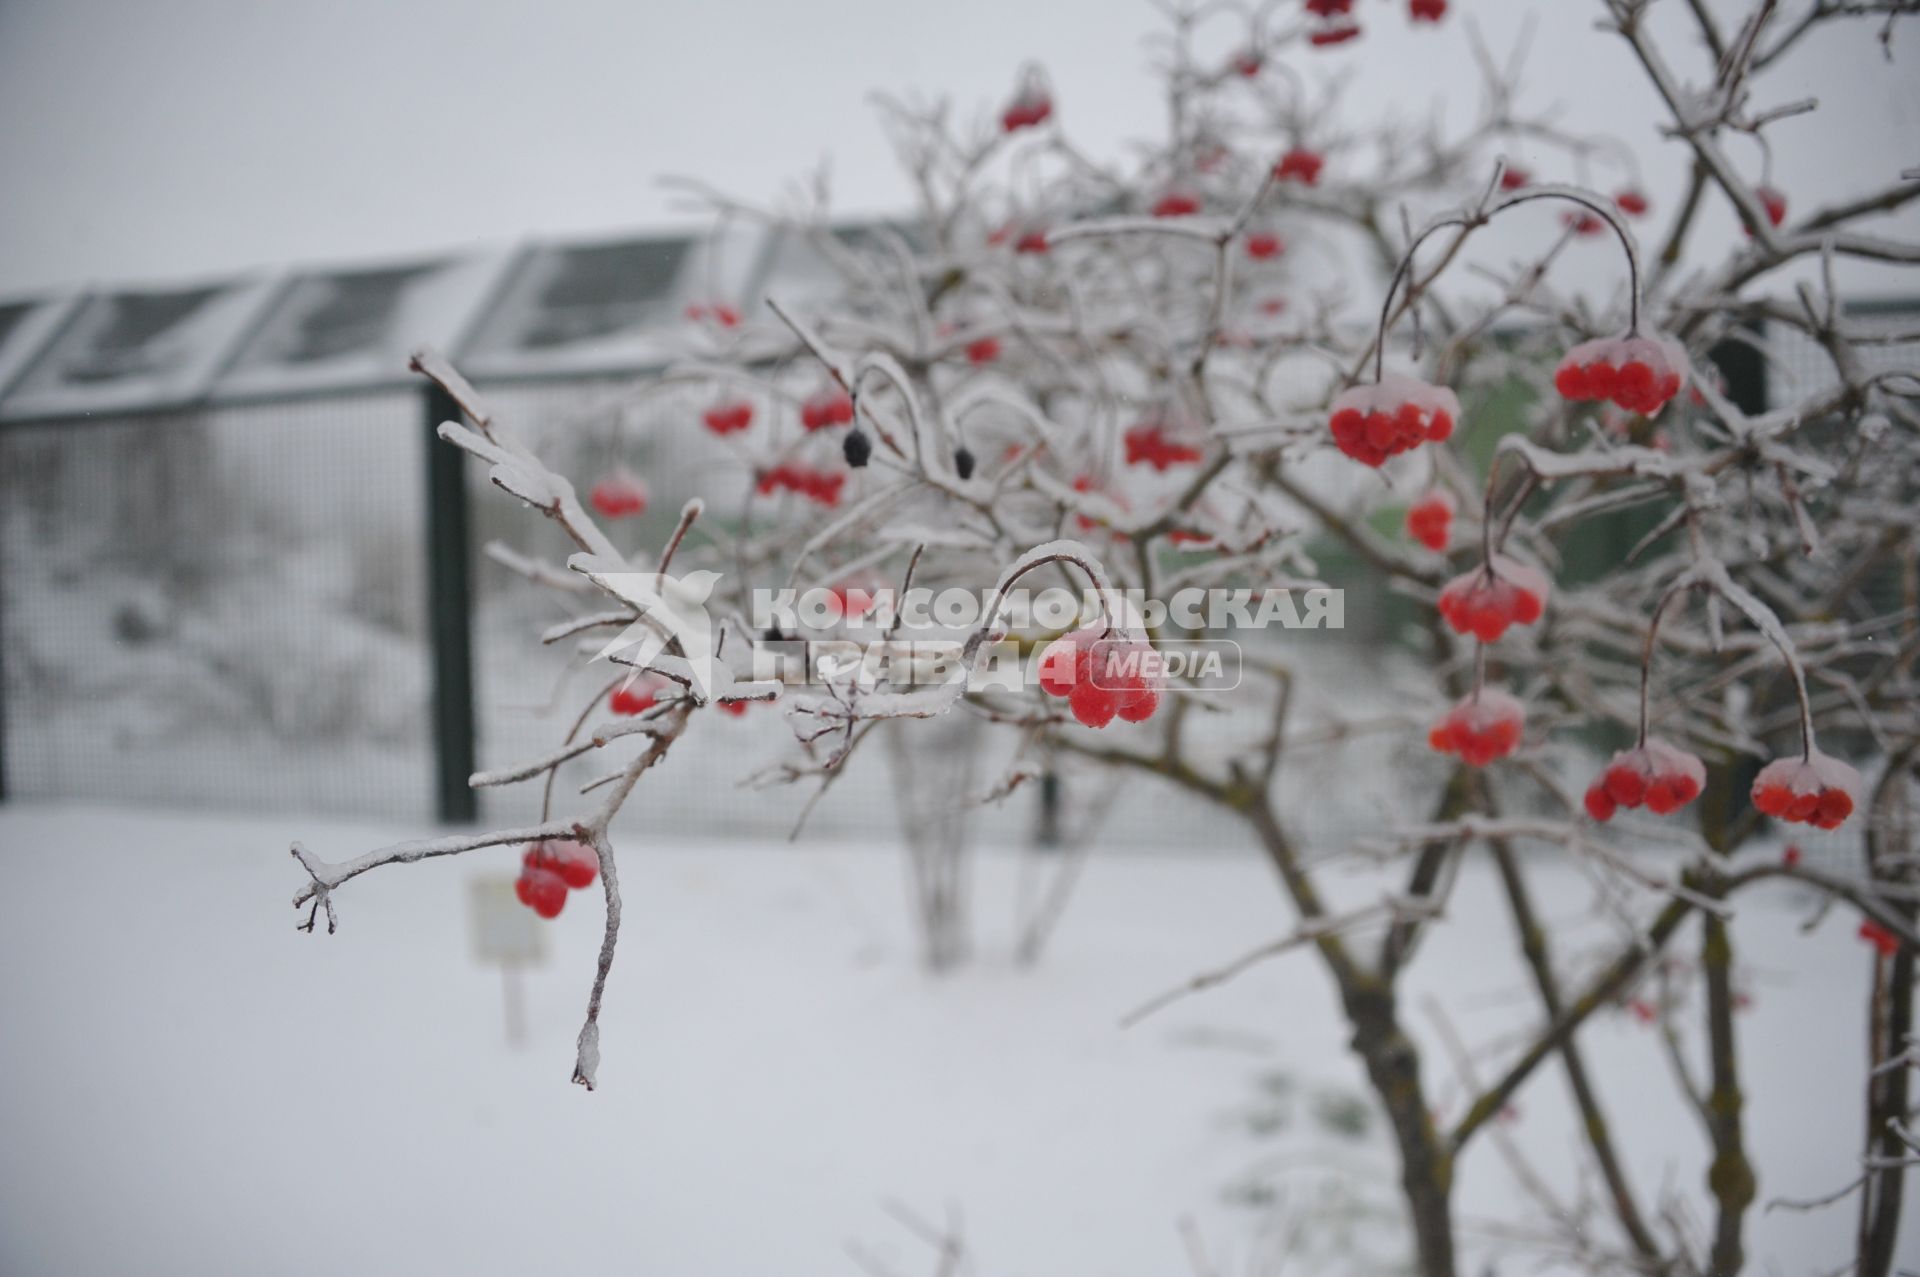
x,y
1101,677
637,695
1499,593
1513,178
1485,726
1394,415
1263,246
815,485
1583,222
1335,32
1177,203
1663,777
549,870
1030,106
1638,373
1300,165
619,495
1148,444
719,312
1884,942
1815,790
729,416
984,350
1430,520
1030,241
827,406
1426,10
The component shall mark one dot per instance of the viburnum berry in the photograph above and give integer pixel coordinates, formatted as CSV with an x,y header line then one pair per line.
x,y
1426,10
1631,202
1638,373
736,708
1247,62
719,312
1030,241
827,406
1815,790
1884,942
1189,536
574,863
1333,33
1663,777
1513,178
1791,856
541,890
815,485
1030,106
637,695
1329,8
1102,678
984,350
1773,202
1430,520
1264,246
1300,164
1485,726
1177,203
1086,483
619,495
1148,444
1393,415
1486,600
729,416
1583,222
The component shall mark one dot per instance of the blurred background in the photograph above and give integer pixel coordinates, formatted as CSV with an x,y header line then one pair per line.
x,y
234,573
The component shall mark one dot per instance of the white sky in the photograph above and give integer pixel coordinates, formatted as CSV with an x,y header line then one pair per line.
x,y
166,139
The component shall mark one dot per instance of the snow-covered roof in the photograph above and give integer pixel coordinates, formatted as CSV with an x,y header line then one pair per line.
x,y
601,307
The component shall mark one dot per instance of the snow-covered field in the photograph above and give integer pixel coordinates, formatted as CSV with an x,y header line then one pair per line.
x,y
190,1086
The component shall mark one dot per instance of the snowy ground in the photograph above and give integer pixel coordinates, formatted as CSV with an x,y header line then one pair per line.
x,y
192,1087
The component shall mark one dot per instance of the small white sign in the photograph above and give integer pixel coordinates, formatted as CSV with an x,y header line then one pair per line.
x,y
505,932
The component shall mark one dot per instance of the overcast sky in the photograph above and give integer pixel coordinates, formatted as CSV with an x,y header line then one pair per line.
x,y
169,139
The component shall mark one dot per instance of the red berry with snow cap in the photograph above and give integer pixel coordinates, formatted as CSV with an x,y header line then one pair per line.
x,y
1177,202
1774,203
1300,165
1638,373
827,406
1031,105
729,416
983,350
1154,443
1662,777
1815,790
541,890
1513,178
1481,728
1102,678
1430,520
1488,599
1394,415
574,863
1631,202
619,495
1264,246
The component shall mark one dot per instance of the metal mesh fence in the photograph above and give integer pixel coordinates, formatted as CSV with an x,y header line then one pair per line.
x,y
221,607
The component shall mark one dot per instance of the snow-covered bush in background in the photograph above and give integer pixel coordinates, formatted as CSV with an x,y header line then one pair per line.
x,y
1070,370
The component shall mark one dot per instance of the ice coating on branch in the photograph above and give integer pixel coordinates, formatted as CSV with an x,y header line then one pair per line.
x,y
1816,790
1662,777
1393,415
1639,373
1485,601
1481,728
